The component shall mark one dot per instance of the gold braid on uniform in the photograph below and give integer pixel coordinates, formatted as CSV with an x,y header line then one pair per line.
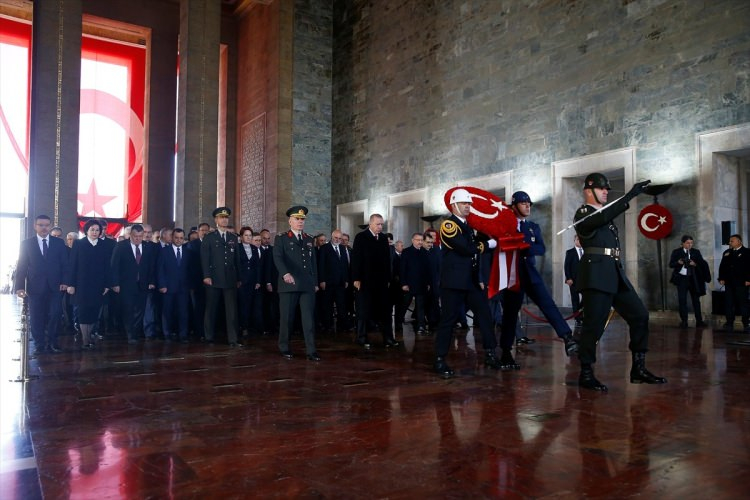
x,y
480,246
448,230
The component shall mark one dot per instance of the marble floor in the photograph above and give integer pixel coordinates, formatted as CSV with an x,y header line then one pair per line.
x,y
167,420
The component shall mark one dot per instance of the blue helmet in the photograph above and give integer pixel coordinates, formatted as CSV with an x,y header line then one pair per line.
x,y
520,197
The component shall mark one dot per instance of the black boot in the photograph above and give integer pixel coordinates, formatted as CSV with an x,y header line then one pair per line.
x,y
491,361
442,368
507,362
587,380
640,375
571,346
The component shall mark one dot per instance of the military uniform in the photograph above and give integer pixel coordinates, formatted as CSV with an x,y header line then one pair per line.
x,y
296,255
603,285
220,262
459,285
734,271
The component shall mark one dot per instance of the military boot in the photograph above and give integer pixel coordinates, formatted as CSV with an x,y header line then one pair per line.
x,y
640,375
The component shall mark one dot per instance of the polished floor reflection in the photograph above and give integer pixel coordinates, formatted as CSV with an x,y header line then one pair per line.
x,y
167,420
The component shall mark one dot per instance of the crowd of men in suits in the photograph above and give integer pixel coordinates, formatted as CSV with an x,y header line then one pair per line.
x,y
172,284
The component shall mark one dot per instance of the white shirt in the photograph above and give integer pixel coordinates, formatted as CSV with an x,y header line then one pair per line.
x,y
41,245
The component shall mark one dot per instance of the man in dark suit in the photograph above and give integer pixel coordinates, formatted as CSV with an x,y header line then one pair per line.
x,y
734,274
42,262
132,277
572,260
346,254
460,284
435,257
688,275
173,282
270,278
333,281
220,264
294,255
371,273
398,295
416,279
197,289
250,293
604,285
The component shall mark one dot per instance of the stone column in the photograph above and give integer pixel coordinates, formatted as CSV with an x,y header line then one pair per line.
x,y
55,112
197,111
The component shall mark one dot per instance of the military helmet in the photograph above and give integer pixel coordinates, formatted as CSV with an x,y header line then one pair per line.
x,y
520,197
460,195
596,180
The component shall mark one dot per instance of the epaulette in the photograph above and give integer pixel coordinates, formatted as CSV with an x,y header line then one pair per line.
x,y
449,228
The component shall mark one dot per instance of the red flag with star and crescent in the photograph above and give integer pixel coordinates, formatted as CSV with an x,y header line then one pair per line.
x,y
492,216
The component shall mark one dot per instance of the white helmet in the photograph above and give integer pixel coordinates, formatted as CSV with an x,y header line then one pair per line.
x,y
460,195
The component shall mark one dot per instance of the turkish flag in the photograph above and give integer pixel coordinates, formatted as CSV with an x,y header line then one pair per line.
x,y
491,215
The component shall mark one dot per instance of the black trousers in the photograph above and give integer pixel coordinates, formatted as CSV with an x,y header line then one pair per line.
x,y
334,295
45,311
736,301
575,298
453,304
133,306
374,304
685,286
597,305
230,310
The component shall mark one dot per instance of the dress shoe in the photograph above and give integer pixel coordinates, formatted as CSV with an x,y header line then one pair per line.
x,y
640,375
441,368
287,354
525,340
313,357
235,344
491,361
87,347
507,362
587,380
701,324
391,343
364,343
54,348
571,345
184,341
132,341
682,325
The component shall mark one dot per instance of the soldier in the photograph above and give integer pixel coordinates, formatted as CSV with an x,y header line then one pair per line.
x,y
220,264
734,274
603,283
295,257
459,285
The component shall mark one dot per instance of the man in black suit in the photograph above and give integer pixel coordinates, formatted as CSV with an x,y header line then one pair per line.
x,y
220,264
371,274
39,275
295,258
197,289
459,283
270,278
333,281
250,293
173,281
572,260
346,254
398,295
435,257
734,274
416,279
132,277
689,276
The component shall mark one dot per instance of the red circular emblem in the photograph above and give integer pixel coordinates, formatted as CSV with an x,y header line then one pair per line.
x,y
655,221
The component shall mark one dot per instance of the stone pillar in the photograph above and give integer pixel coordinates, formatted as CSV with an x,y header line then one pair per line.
x,y
197,111
55,112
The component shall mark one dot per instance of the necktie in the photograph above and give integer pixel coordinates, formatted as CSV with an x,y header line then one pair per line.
x,y
376,237
580,253
224,237
299,237
44,247
138,254
522,226
336,247
179,256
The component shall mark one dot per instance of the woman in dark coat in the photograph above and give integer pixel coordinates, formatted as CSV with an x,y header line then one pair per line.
x,y
87,278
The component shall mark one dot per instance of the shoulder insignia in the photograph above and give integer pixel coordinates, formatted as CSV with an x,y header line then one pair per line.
x,y
449,229
480,246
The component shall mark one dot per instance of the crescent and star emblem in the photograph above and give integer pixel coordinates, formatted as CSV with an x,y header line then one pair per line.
x,y
498,204
644,221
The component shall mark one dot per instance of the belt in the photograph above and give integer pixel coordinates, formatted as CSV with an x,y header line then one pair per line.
x,y
611,252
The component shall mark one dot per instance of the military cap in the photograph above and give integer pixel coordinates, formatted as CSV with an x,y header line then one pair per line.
x,y
596,180
297,211
520,197
222,212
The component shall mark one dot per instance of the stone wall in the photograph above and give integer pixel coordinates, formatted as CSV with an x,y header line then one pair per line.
x,y
428,92
311,118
